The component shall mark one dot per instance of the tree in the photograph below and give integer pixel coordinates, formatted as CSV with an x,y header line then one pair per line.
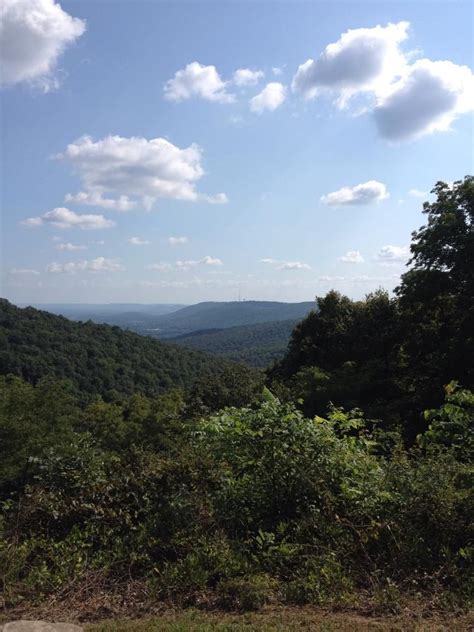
x,y
436,296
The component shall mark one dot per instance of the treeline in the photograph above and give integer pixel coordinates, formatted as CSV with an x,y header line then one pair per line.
x,y
392,357
232,494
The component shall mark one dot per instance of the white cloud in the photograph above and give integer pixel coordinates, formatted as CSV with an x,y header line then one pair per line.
x,y
277,71
352,256
24,272
218,198
294,265
136,241
393,254
95,198
34,34
270,98
70,247
161,267
100,264
31,222
406,98
185,265
417,193
175,241
207,261
285,265
196,80
246,77
365,193
427,98
135,168
65,218
362,60
210,261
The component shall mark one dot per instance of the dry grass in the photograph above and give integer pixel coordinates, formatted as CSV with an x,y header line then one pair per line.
x,y
102,605
281,619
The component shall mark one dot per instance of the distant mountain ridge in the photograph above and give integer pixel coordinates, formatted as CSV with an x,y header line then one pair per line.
x,y
107,312
222,315
171,320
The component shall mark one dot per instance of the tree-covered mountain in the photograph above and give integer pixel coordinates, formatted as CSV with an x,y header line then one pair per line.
x,y
216,315
172,320
97,359
257,345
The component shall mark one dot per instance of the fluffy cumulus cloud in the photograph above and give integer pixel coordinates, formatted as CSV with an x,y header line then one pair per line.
x,y
366,193
362,60
406,98
177,241
427,98
34,34
65,218
269,99
352,256
68,247
393,254
246,77
136,241
100,264
196,80
131,169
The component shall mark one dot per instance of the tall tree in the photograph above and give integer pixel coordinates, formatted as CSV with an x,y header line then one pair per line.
x,y
436,296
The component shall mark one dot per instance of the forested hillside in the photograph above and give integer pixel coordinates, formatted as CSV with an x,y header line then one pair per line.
x,y
256,345
97,359
346,481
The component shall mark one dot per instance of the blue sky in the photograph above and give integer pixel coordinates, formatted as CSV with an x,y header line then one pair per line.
x,y
138,166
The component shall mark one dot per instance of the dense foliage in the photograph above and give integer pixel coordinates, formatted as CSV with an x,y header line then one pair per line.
x,y
393,356
233,494
98,359
247,506
256,345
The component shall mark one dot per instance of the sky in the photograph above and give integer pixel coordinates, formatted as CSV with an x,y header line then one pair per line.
x,y
177,152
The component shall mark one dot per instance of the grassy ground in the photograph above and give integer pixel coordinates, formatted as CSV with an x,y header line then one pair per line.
x,y
285,619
